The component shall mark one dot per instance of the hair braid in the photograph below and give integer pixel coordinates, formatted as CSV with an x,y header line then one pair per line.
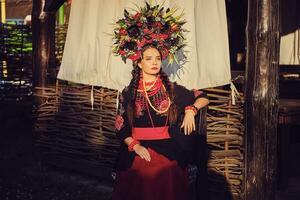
x,y
133,87
170,91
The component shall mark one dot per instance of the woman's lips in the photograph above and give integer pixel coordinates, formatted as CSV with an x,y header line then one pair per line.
x,y
154,68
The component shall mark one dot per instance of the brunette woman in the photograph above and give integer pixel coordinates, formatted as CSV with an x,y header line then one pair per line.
x,y
151,164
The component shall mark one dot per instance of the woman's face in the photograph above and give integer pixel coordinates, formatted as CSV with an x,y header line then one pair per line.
x,y
151,62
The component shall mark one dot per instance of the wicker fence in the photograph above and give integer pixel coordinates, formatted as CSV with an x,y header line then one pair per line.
x,y
15,62
71,127
225,136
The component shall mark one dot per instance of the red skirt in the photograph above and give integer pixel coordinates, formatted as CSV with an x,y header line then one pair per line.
x,y
159,179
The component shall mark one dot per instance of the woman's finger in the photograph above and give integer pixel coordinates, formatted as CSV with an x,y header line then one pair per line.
x,y
194,126
190,129
147,155
185,129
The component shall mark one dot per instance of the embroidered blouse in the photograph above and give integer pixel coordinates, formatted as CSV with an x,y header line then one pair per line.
x,y
143,119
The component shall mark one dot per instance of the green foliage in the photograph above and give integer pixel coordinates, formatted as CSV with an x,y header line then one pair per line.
x,y
15,39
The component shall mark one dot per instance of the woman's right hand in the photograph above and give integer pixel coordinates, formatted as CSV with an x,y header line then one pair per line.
x,y
142,152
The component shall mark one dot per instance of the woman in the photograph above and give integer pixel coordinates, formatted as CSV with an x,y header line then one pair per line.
x,y
151,164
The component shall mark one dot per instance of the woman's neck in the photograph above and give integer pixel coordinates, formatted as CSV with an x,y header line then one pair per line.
x,y
149,77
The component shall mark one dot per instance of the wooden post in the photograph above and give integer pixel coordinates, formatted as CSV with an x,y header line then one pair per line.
x,y
261,99
43,34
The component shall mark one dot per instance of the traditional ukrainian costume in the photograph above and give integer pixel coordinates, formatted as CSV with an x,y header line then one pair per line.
x,y
165,176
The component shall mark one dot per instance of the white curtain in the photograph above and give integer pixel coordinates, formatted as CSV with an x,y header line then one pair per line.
x,y
88,59
290,49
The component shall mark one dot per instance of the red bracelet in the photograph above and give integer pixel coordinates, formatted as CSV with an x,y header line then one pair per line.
x,y
192,108
132,144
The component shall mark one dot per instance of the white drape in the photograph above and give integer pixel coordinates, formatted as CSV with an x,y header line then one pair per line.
x,y
88,58
290,49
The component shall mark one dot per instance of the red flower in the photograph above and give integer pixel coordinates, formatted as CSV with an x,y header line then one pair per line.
x,y
119,122
158,24
163,105
149,41
135,56
123,31
136,16
122,52
163,36
165,53
147,31
141,43
159,36
174,27
139,24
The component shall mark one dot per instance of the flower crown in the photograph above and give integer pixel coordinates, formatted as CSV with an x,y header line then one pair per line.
x,y
152,24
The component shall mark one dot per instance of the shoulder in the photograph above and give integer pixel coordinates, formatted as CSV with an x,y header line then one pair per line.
x,y
196,93
180,88
182,95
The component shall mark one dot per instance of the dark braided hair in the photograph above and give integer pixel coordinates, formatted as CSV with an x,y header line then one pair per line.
x,y
170,91
134,83
133,87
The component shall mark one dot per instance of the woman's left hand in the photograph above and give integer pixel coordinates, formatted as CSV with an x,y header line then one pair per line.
x,y
188,122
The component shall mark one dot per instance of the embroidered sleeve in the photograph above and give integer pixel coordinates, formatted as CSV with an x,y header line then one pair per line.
x,y
199,94
123,129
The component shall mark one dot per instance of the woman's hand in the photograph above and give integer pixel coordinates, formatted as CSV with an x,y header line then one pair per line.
x,y
142,152
188,122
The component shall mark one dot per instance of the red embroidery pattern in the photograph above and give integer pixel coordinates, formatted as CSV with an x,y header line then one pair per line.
x,y
138,109
197,92
119,122
157,97
163,105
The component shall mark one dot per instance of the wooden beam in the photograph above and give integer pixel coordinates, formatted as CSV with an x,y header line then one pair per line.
x,y
261,99
43,34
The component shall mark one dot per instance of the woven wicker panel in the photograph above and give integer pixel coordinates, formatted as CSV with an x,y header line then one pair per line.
x,y
225,137
69,124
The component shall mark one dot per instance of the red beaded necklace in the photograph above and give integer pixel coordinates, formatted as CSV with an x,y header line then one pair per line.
x,y
155,87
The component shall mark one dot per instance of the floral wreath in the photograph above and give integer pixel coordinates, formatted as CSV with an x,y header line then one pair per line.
x,y
151,24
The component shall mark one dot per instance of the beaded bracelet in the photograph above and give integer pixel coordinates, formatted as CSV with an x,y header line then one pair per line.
x,y
132,144
192,108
